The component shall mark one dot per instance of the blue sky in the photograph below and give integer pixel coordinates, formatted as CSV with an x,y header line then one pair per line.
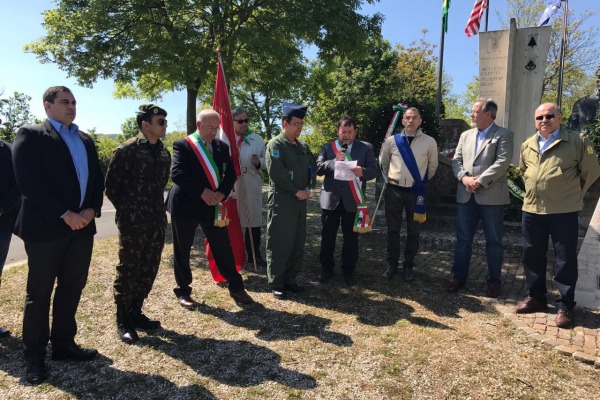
x,y
404,22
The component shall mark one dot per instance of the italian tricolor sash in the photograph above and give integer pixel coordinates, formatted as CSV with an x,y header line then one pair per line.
x,y
362,221
212,173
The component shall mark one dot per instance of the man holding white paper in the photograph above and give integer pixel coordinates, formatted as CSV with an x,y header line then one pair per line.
x,y
342,197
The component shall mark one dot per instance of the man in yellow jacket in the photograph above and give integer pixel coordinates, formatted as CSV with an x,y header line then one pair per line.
x,y
558,167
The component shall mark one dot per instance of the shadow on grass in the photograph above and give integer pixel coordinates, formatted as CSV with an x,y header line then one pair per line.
x,y
236,363
272,325
96,379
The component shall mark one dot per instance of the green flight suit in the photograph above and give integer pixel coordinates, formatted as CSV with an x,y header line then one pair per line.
x,y
291,167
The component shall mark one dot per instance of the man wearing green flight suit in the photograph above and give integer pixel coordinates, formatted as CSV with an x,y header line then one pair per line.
x,y
291,168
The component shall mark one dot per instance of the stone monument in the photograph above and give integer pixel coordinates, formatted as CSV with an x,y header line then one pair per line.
x,y
585,109
511,71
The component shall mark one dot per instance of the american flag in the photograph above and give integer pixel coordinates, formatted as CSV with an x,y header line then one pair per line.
x,y
472,27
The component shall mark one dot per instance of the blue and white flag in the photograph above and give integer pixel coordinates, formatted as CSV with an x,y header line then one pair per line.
x,y
549,12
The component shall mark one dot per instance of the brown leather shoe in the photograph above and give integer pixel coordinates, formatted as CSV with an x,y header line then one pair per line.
x,y
531,305
187,302
455,285
242,297
564,318
493,290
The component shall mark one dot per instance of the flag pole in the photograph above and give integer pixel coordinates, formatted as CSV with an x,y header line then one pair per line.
x,y
563,49
487,15
438,95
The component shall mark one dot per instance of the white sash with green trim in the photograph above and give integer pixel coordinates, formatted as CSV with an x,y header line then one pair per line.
x,y
212,173
362,221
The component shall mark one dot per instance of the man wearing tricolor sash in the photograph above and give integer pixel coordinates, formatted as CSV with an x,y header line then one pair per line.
x,y
342,200
408,160
203,177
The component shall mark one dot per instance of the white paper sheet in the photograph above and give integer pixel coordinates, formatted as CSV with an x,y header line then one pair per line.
x,y
343,170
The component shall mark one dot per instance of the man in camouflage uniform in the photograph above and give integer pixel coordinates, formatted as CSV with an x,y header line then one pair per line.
x,y
135,183
291,168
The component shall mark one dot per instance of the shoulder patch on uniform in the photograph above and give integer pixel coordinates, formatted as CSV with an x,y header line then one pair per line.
x,y
275,154
590,149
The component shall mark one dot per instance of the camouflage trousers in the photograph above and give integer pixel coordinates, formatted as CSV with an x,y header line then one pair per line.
x,y
139,257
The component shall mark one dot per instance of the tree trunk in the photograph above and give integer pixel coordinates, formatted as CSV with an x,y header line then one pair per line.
x,y
192,95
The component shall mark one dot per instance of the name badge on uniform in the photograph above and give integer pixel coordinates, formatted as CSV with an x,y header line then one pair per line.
x,y
275,153
291,174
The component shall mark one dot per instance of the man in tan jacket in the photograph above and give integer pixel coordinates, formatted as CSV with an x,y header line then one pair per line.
x,y
558,167
402,192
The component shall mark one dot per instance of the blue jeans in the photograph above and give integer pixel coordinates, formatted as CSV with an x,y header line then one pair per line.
x,y
5,237
468,216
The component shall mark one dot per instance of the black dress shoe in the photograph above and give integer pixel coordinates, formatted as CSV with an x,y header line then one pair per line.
x,y
349,279
73,352
187,302
4,332
242,298
36,372
407,274
127,334
325,276
141,321
279,293
294,288
390,272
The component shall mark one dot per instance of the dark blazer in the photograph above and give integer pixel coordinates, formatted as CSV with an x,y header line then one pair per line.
x,y
10,196
189,179
48,181
334,190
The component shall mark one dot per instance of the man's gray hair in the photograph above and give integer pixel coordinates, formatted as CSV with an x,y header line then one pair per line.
x,y
489,105
208,113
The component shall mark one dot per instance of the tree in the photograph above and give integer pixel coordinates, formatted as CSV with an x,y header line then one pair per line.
x,y
129,129
581,56
15,113
367,89
152,46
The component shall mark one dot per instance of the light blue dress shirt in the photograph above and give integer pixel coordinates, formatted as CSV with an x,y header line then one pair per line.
x,y
543,144
78,153
480,136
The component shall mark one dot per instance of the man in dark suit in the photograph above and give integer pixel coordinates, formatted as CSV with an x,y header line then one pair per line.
x,y
57,170
10,198
203,177
338,199
480,163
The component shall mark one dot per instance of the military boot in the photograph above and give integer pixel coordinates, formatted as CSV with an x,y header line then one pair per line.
x,y
139,320
3,331
125,328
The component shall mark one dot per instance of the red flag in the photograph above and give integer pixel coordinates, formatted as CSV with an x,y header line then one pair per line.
x,y
472,27
226,134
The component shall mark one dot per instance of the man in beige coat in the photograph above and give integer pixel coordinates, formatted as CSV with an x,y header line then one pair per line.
x,y
400,192
248,187
558,167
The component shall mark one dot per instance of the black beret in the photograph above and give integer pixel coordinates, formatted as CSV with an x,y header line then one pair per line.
x,y
151,109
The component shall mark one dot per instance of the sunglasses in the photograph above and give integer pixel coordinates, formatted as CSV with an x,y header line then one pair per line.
x,y
547,116
162,122
242,121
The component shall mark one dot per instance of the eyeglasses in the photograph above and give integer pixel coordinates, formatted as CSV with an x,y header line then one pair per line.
x,y
297,124
547,116
242,121
162,122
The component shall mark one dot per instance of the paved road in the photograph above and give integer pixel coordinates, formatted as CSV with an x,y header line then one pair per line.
x,y
105,226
